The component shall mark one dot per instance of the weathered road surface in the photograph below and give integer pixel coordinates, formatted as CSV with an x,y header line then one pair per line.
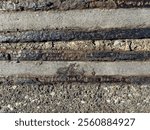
x,y
95,19
75,56
54,68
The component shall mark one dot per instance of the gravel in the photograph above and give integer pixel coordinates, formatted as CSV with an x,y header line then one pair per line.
x,y
75,97
87,45
21,5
